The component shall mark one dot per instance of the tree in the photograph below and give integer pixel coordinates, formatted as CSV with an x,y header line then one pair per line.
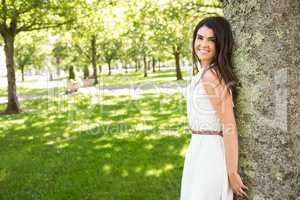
x,y
86,72
28,15
109,50
60,53
71,73
267,64
30,52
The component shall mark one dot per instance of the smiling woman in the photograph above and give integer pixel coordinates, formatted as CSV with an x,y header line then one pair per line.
x,y
211,162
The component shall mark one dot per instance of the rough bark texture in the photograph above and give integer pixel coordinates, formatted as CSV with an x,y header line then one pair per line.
x,y
13,105
267,63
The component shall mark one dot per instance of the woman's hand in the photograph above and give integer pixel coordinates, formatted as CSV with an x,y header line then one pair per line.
x,y
237,185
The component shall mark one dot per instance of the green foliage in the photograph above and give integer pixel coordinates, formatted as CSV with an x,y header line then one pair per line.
x,y
71,73
37,14
30,51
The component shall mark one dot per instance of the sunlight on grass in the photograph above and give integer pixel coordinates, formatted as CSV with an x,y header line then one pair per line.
x,y
3,174
116,142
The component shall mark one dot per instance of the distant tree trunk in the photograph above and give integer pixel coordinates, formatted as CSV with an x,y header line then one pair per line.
x,y
71,73
136,65
57,66
50,75
145,66
100,69
139,64
125,67
159,63
109,67
86,72
13,106
94,60
148,64
176,52
267,64
22,72
153,64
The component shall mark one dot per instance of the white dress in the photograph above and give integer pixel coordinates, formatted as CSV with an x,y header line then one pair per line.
x,y
204,173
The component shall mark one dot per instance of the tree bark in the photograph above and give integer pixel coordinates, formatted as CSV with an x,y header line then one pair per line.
x,y
22,72
139,64
159,63
13,106
145,67
94,61
153,64
125,67
57,66
148,64
136,65
100,69
267,64
176,51
109,67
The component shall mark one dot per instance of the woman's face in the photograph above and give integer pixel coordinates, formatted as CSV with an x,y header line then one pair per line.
x,y
205,45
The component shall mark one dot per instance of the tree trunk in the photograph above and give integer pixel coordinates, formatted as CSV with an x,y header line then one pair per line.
x,y
58,66
153,64
109,67
13,106
176,51
22,72
136,65
267,64
145,66
50,75
159,63
139,64
125,67
100,69
94,61
148,64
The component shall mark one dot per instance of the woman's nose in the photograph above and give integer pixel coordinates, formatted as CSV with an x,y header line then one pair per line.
x,y
203,43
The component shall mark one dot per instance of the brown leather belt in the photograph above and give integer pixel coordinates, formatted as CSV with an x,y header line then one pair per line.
x,y
204,132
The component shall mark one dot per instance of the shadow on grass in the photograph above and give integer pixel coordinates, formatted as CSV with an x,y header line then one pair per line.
x,y
74,148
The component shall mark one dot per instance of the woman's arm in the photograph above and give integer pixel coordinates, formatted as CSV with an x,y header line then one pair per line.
x,y
222,103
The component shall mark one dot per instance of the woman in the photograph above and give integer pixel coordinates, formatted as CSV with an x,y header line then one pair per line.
x,y
211,164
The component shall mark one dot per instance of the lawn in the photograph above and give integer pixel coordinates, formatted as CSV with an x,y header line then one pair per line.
x,y
165,76
94,147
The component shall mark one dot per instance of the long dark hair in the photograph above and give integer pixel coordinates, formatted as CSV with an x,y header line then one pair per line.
x,y
222,64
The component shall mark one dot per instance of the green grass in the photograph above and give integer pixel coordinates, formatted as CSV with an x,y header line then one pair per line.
x,y
159,77
33,91
94,147
166,76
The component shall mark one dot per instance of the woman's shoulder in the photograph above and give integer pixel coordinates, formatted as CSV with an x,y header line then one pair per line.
x,y
210,76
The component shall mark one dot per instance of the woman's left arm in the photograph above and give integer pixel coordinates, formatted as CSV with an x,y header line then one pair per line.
x,y
222,103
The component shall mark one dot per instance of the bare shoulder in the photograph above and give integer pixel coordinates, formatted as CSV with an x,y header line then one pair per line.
x,y
210,77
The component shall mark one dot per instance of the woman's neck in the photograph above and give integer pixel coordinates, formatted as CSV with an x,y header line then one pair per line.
x,y
206,65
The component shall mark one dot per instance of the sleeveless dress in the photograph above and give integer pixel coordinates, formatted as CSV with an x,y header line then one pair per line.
x,y
204,173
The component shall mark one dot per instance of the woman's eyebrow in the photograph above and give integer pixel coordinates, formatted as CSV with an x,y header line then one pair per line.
x,y
199,35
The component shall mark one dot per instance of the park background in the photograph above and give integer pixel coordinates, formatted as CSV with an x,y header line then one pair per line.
x,y
124,135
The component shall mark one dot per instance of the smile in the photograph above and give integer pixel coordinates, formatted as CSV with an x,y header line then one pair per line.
x,y
202,51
